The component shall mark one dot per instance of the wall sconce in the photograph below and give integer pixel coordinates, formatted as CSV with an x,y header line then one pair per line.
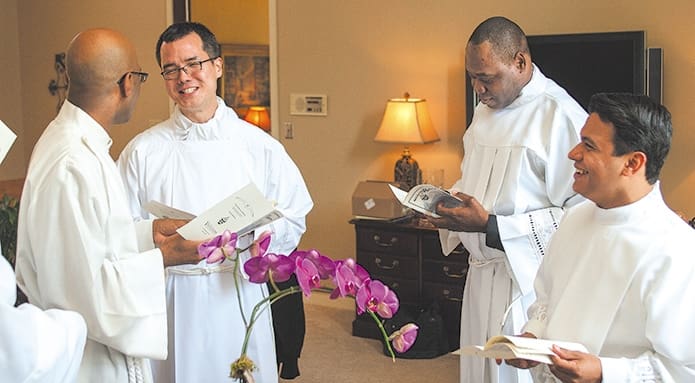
x,y
258,115
407,121
59,86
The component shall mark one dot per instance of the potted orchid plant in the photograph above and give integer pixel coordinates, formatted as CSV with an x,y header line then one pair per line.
x,y
310,268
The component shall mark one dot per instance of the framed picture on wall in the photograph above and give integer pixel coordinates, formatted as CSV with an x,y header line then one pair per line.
x,y
246,77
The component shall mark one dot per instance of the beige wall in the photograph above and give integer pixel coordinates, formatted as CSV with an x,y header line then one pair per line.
x,y
40,29
10,100
359,53
234,21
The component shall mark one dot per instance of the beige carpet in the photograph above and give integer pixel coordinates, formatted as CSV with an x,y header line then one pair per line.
x,y
332,355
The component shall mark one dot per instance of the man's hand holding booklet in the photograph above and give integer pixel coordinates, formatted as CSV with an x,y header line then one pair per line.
x,y
424,198
518,347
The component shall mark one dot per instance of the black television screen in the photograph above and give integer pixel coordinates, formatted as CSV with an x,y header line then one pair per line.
x,y
587,63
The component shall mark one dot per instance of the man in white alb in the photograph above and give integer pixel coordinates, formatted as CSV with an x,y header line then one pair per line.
x,y
36,345
618,276
77,246
191,161
515,181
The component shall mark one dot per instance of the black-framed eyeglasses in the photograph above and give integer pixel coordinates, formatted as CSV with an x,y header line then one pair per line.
x,y
189,69
143,76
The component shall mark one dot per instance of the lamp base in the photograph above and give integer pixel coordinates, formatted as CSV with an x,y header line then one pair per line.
x,y
407,171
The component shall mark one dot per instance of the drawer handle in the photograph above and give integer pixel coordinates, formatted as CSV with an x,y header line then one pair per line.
x,y
447,296
446,271
378,241
394,264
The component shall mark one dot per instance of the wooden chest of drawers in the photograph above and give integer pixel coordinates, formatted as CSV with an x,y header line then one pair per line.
x,y
408,258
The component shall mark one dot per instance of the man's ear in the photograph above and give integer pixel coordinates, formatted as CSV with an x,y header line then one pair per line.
x,y
125,87
636,162
219,66
521,60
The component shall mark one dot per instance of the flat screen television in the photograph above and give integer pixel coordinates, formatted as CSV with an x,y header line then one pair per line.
x,y
587,63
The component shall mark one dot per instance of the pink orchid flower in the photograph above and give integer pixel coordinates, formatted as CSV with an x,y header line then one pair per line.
x,y
261,269
218,248
349,277
261,244
404,338
311,268
376,297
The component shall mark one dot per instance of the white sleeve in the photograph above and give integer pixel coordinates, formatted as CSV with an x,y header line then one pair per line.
x,y
36,345
525,239
525,236
84,256
286,186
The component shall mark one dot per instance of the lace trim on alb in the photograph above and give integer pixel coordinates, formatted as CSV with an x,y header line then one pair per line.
x,y
540,313
542,226
644,371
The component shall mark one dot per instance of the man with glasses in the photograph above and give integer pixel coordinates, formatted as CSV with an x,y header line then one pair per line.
x,y
203,153
77,246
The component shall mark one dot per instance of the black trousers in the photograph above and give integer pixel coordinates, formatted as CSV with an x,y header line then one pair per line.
x,y
290,327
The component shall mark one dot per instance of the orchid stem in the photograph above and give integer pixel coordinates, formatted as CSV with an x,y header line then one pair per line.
x,y
270,299
383,333
272,283
236,284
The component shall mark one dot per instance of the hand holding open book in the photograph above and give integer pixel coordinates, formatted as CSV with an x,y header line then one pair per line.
x,y
424,198
518,347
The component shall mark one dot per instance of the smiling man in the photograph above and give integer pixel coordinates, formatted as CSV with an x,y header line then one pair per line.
x,y
618,276
515,182
203,153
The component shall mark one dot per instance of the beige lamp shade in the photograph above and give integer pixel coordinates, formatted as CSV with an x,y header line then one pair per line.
x,y
406,121
258,115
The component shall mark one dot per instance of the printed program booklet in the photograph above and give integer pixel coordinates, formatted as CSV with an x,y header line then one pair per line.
x,y
518,347
424,198
242,212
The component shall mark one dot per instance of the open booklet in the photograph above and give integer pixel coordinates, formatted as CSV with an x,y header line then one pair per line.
x,y
518,347
424,198
243,211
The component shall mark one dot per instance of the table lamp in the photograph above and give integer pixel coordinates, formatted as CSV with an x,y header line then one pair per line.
x,y
258,115
407,121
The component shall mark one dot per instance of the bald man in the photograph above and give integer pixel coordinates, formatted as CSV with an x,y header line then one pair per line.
x,y
77,246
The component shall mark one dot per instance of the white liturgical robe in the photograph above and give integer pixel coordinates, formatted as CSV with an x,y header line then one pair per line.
x,y
516,165
620,281
36,345
78,249
191,167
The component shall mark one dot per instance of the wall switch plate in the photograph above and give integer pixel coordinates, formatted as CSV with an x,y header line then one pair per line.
x,y
289,131
308,104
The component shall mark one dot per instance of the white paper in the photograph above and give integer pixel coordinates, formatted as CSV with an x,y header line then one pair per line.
x,y
7,138
241,212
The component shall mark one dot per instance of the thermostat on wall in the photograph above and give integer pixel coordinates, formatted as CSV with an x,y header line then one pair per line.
x,y
308,104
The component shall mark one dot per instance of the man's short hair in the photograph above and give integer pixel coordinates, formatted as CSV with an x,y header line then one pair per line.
x,y
640,124
505,36
179,30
